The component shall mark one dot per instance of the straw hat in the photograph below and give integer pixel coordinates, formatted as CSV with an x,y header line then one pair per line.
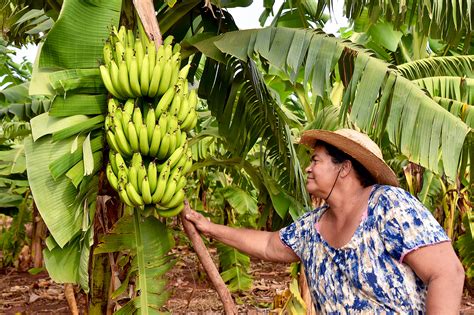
x,y
357,145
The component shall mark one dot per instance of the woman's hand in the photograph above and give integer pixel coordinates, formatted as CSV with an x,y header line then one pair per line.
x,y
200,222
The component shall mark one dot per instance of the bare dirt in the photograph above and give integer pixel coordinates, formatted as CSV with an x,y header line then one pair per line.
x,y
23,293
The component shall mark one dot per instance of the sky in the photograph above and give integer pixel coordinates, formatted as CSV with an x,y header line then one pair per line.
x,y
245,18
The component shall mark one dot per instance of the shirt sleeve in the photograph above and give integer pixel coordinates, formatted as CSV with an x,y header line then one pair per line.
x,y
408,225
294,235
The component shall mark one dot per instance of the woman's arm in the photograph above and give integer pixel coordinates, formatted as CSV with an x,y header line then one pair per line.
x,y
439,267
260,244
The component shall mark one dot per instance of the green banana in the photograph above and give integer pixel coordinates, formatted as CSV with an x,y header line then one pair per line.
x,y
150,123
126,118
109,122
181,182
146,191
119,52
133,137
164,146
128,56
112,105
165,78
124,79
129,106
122,173
143,139
176,48
152,176
137,160
145,75
122,141
155,80
142,172
187,166
168,52
133,176
137,119
168,40
183,73
168,213
175,156
183,110
113,180
163,122
176,103
107,52
112,142
175,63
160,52
172,123
155,141
169,191
123,195
190,121
139,54
164,102
113,161
172,146
151,49
120,161
177,198
114,77
134,80
161,184
133,195
130,38
104,73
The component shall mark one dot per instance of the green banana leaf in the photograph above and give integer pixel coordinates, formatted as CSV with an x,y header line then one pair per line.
x,y
78,104
418,131
55,199
44,124
149,241
457,66
91,23
240,200
235,268
13,161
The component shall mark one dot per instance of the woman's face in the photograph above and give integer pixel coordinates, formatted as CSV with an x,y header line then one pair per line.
x,y
322,173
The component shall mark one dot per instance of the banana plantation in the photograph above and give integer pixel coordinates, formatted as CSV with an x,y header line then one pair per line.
x,y
132,108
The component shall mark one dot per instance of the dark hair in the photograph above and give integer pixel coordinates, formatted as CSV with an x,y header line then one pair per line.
x,y
338,156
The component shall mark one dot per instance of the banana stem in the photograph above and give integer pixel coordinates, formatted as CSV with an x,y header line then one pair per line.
x,y
146,12
207,263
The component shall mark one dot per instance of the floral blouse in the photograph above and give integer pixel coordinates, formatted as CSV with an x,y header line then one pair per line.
x,y
367,275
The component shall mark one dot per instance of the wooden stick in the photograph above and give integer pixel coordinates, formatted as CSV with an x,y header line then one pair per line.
x,y
207,263
146,12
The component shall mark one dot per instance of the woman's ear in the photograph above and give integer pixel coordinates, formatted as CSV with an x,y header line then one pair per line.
x,y
346,168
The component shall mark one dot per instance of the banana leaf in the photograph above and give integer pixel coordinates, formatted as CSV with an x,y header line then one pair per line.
x,y
404,103
149,241
55,199
91,22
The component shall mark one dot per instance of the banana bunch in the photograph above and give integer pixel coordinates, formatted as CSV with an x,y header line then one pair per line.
x,y
139,182
135,68
130,131
149,155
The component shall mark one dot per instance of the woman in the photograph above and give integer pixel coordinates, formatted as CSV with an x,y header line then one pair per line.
x,y
372,248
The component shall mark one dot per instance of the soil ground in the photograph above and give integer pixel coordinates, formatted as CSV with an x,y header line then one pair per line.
x,y
23,293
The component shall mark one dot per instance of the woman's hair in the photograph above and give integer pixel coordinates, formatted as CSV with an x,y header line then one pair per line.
x,y
338,156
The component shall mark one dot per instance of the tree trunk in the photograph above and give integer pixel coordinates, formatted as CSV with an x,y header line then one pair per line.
x,y
37,237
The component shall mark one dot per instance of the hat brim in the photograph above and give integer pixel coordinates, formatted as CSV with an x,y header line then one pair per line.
x,y
381,172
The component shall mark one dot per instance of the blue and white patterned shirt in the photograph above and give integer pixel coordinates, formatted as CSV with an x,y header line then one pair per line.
x,y
367,275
